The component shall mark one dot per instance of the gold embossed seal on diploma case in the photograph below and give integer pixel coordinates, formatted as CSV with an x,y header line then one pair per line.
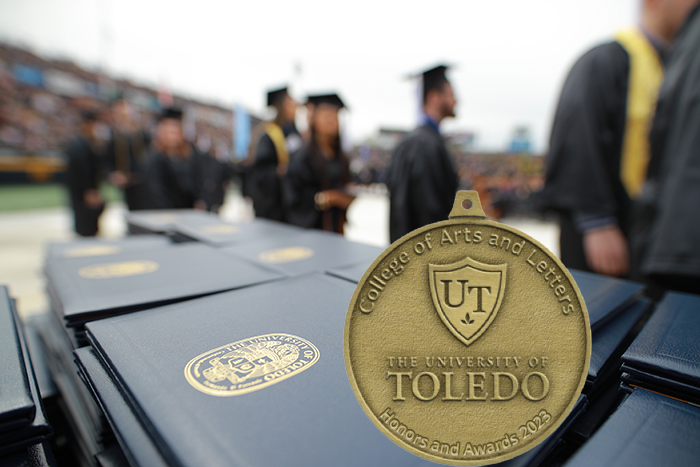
x,y
467,342
251,364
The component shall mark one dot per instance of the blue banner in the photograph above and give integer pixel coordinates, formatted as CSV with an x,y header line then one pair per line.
x,y
28,75
241,132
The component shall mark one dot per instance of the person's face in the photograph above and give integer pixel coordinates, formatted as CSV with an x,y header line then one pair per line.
x,y
325,118
447,101
674,13
170,132
121,113
289,108
87,128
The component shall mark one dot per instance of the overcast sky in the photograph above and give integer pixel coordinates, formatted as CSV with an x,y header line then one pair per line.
x,y
510,56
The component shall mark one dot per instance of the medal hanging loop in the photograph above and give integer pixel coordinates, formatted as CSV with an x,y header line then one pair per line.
x,y
467,204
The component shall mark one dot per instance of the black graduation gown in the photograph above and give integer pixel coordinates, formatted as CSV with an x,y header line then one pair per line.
x,y
583,164
82,174
175,183
667,225
308,173
264,183
215,175
422,182
128,153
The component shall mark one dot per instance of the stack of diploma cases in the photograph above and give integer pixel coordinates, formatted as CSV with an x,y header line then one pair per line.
x,y
23,424
154,341
665,357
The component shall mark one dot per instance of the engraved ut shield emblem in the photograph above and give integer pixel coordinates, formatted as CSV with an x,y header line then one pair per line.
x,y
467,296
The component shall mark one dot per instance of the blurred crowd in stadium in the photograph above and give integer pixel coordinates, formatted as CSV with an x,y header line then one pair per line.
x,y
41,102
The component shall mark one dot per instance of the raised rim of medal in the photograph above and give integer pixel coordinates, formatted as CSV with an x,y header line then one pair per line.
x,y
346,339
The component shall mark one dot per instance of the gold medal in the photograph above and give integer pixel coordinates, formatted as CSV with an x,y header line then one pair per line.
x,y
467,342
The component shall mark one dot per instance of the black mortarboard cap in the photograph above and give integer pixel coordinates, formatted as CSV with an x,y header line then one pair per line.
x,y
88,116
171,112
274,97
332,99
433,79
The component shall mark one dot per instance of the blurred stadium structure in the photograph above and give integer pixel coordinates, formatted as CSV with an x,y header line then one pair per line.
x,y
41,101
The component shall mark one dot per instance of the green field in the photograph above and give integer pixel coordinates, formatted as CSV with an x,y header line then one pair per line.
x,y
42,196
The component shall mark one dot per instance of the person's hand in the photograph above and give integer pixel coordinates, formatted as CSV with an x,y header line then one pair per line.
x,y
282,170
333,198
92,199
606,251
119,179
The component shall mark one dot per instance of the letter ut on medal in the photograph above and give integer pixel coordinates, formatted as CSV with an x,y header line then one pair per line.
x,y
467,296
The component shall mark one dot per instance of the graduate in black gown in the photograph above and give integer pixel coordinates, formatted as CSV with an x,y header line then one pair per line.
x,y
126,155
175,167
319,173
83,175
599,148
422,180
278,139
666,234
216,175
